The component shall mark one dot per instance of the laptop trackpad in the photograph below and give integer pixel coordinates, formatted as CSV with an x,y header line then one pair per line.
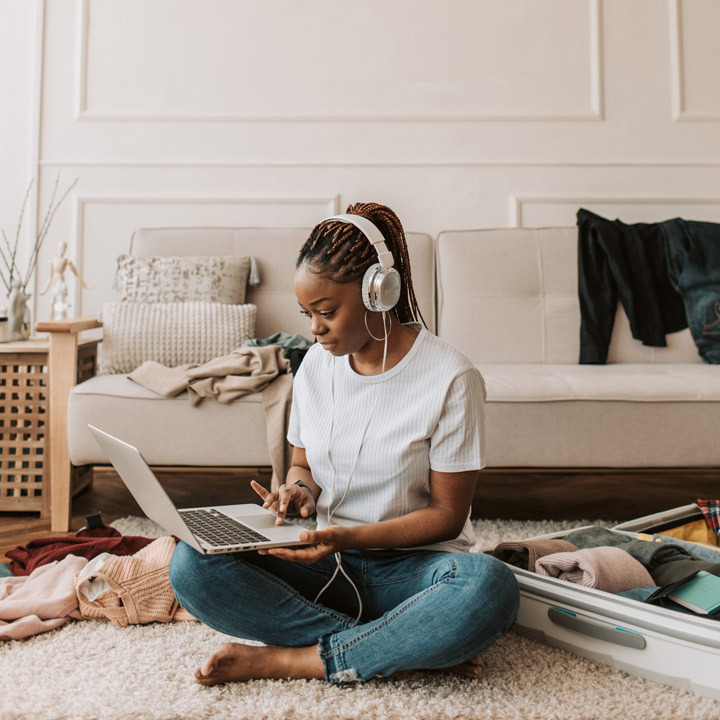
x,y
254,516
258,522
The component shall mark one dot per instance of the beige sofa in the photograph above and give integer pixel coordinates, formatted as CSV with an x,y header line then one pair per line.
x,y
508,299
636,435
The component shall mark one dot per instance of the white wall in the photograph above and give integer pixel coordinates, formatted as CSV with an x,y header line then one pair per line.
x,y
457,113
18,124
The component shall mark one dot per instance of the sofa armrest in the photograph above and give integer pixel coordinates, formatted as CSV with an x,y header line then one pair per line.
x,y
74,326
70,361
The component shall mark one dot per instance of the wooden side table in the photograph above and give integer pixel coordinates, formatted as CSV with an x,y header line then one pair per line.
x,y
34,388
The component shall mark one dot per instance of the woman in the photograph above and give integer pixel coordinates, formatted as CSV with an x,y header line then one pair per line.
x,y
387,430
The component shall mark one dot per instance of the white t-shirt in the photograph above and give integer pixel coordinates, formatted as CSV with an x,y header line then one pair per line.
x,y
429,414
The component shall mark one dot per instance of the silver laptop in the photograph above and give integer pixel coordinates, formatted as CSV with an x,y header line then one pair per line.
x,y
210,530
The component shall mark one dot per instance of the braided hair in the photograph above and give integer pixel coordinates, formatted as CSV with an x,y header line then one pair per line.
x,y
342,251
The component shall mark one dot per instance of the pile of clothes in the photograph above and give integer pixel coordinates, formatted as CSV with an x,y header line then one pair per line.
x,y
638,567
97,574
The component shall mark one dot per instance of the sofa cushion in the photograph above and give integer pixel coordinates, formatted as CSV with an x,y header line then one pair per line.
x,y
624,415
511,296
171,333
624,382
167,431
183,279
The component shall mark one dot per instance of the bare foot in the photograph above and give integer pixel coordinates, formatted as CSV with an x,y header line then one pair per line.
x,y
235,662
472,668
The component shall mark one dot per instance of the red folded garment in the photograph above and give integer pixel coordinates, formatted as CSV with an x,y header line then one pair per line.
x,y
87,544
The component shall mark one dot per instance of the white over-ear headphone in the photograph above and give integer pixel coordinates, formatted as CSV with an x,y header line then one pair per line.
x,y
381,284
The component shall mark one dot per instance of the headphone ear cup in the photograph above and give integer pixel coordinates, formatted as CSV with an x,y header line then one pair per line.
x,y
381,288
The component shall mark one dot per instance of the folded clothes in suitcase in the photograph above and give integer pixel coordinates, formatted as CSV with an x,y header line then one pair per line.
x,y
666,645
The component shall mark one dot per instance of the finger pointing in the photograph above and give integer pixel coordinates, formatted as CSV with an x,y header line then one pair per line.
x,y
259,489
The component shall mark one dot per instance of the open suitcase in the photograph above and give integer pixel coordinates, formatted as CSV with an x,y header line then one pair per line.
x,y
660,644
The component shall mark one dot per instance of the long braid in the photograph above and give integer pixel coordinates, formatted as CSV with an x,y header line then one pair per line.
x,y
342,250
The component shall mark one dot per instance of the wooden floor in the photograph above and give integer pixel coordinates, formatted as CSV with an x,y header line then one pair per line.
x,y
509,494
109,496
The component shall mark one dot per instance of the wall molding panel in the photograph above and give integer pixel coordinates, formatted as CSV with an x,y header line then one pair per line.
x,y
81,61
593,88
519,205
676,57
488,163
678,48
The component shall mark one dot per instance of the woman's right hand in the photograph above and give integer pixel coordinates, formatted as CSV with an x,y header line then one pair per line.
x,y
292,498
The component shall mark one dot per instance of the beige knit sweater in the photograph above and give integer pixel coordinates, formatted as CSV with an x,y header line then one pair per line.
x,y
139,588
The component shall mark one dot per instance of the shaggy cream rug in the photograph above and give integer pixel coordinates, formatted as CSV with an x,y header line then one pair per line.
x,y
93,670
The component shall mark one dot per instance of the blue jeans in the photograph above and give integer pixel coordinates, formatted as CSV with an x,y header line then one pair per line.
x,y
693,262
420,609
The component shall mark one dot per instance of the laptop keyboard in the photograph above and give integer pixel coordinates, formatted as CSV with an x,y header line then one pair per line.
x,y
217,529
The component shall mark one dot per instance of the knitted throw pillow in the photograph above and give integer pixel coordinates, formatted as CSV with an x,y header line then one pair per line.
x,y
183,279
172,334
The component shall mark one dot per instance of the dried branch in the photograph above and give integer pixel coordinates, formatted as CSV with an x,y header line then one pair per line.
x,y
9,249
9,255
46,225
10,265
7,264
13,253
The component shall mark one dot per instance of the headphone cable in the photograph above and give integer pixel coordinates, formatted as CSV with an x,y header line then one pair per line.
x,y
331,509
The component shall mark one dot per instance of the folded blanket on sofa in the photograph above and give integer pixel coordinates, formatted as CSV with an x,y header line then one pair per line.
x,y
224,379
605,568
245,370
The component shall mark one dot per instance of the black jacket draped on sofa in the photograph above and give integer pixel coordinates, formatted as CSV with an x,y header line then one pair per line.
x,y
627,263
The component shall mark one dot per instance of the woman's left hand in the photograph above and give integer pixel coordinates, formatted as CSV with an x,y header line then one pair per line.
x,y
324,542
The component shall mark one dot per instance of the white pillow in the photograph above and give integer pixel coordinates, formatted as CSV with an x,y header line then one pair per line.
x,y
171,333
221,279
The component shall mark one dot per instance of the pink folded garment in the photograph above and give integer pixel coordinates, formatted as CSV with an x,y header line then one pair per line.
x,y
605,568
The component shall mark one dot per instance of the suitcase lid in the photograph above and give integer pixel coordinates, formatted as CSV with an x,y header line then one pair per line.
x,y
662,520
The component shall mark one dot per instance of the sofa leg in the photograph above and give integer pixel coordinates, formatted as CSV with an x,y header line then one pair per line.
x,y
82,478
